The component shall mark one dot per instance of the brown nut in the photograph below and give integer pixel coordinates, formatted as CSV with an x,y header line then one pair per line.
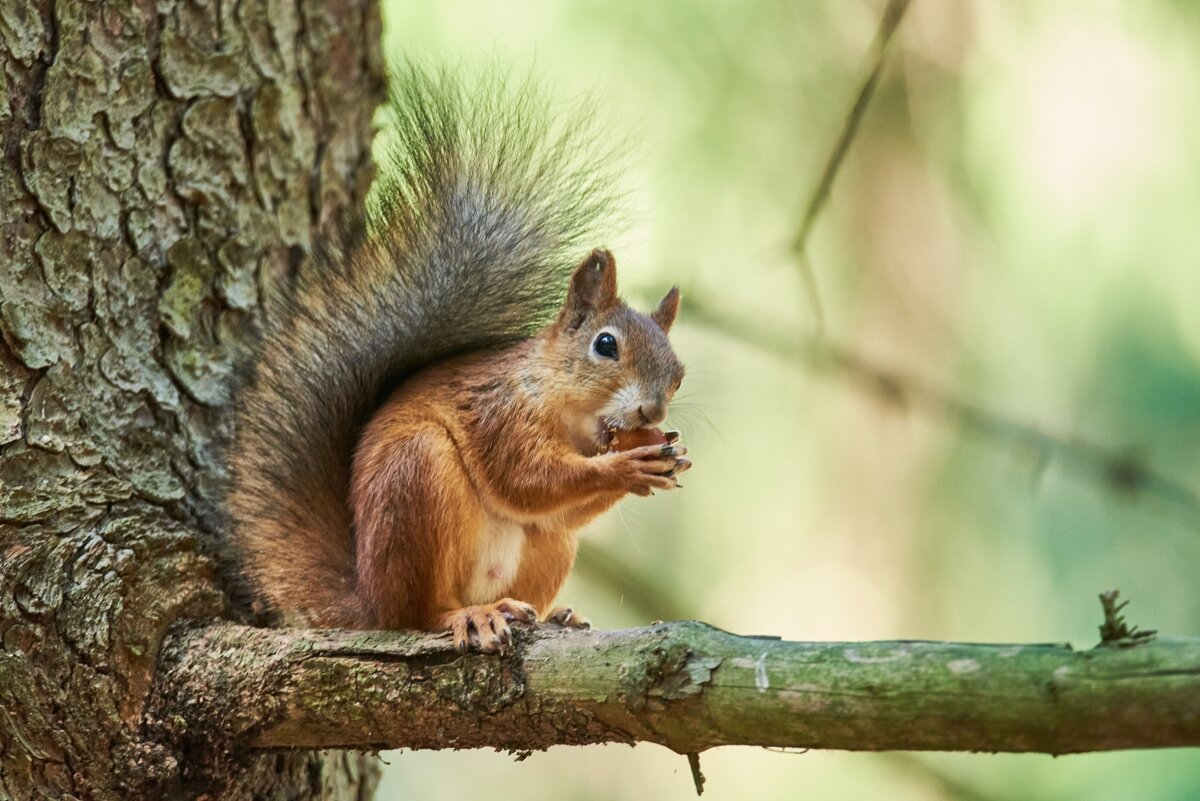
x,y
626,440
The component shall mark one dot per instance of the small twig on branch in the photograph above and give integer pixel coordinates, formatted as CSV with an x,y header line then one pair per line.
x,y
1115,632
1118,469
888,23
697,776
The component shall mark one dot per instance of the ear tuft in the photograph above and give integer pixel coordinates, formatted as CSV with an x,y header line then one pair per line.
x,y
668,307
593,288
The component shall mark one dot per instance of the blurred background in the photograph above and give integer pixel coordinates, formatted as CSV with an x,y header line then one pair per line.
x,y
992,413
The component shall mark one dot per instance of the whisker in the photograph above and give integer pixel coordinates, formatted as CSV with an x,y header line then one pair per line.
x,y
628,529
694,418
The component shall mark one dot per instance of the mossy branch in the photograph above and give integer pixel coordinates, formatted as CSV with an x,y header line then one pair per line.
x,y
684,685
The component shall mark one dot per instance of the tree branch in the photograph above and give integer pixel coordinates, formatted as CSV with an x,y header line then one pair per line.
x,y
684,685
1119,470
888,23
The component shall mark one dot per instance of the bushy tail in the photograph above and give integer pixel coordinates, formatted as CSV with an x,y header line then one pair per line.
x,y
481,208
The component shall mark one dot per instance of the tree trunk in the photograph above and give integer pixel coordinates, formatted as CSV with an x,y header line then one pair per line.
x,y
164,163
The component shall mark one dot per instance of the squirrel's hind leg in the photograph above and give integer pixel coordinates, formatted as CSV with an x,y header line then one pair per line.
x,y
568,617
485,626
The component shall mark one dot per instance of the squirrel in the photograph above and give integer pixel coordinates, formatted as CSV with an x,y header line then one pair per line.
x,y
429,421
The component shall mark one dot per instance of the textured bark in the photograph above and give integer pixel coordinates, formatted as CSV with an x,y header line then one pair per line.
x,y
687,686
162,163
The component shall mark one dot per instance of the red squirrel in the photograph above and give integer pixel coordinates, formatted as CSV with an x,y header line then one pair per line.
x,y
430,421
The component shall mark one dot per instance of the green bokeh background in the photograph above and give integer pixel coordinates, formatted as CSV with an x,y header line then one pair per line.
x,y
1016,227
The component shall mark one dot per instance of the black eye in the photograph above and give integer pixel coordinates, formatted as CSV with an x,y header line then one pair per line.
x,y
606,346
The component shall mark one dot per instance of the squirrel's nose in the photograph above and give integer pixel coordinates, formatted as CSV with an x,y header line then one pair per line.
x,y
653,413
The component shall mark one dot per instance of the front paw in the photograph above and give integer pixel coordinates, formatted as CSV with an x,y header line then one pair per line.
x,y
644,469
568,617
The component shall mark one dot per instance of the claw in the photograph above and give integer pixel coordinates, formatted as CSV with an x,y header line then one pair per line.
x,y
485,627
565,616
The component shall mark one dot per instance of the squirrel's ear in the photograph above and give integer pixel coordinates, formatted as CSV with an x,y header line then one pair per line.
x,y
668,307
593,287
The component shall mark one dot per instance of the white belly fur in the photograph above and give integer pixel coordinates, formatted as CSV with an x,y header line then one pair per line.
x,y
500,546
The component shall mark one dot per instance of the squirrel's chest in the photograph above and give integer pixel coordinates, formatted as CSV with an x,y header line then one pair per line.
x,y
497,558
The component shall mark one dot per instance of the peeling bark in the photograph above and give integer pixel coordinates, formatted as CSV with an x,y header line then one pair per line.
x,y
162,163
687,686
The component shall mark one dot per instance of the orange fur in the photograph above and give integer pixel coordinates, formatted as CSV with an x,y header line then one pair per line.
x,y
475,474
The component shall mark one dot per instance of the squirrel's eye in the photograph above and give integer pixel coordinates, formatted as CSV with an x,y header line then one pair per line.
x,y
606,346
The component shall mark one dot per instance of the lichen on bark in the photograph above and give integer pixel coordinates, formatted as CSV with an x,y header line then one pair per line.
x,y
162,162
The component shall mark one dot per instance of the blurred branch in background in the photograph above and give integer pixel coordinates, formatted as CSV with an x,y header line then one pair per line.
x,y
888,23
941,782
611,573
1123,472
